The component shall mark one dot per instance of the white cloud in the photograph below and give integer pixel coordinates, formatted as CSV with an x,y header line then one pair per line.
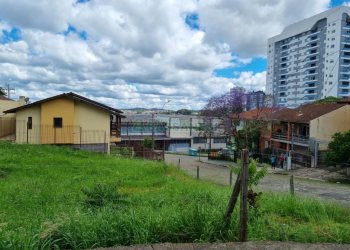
x,y
139,55
251,81
246,25
46,15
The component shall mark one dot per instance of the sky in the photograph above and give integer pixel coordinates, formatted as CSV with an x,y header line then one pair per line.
x,y
142,53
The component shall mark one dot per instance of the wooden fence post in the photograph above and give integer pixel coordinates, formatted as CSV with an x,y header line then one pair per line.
x,y
230,177
291,182
244,196
232,202
197,172
178,164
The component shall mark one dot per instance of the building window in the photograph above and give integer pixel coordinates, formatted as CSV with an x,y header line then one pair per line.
x,y
30,123
219,140
57,122
199,140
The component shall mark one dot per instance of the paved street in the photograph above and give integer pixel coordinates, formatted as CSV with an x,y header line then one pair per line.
x,y
275,181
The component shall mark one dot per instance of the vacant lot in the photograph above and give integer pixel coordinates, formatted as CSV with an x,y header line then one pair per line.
x,y
54,197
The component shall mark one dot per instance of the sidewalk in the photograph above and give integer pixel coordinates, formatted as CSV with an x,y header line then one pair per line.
x,y
300,172
261,245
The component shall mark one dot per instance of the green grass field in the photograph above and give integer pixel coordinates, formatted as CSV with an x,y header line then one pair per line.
x,y
58,198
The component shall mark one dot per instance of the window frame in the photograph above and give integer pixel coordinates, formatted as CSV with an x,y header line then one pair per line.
x,y
58,122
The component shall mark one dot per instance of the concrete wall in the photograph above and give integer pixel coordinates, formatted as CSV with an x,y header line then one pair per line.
x,y
323,128
94,123
60,108
34,134
6,105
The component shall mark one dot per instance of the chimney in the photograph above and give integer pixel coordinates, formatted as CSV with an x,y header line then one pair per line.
x,y
22,100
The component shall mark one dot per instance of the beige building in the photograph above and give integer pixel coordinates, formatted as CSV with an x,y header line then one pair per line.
x,y
6,103
308,129
68,119
325,126
7,121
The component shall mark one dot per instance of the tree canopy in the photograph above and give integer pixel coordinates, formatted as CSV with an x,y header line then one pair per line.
x,y
339,148
329,99
224,105
2,92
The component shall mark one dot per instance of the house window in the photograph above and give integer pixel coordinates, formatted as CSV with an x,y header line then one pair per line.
x,y
57,122
219,140
30,123
199,140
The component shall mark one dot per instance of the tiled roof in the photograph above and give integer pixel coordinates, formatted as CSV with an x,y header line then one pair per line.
x,y
262,114
5,98
307,112
71,96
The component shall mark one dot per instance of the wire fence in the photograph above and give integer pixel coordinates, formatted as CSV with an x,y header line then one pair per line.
x,y
94,140
139,152
7,126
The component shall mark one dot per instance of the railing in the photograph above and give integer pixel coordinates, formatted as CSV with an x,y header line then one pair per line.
x,y
295,139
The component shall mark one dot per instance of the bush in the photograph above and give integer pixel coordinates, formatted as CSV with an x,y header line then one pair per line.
x,y
339,148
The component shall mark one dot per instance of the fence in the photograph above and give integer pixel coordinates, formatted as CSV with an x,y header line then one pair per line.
x,y
138,151
7,126
76,136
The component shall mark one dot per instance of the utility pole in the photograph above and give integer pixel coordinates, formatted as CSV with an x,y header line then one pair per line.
x,y
152,132
9,91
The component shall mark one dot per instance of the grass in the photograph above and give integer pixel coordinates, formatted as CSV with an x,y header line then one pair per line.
x,y
58,198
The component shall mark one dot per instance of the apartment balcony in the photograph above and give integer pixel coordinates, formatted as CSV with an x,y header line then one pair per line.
x,y
312,40
295,139
344,94
310,94
308,67
312,34
308,73
345,86
311,86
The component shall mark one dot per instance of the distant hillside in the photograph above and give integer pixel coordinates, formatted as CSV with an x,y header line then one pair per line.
x,y
160,111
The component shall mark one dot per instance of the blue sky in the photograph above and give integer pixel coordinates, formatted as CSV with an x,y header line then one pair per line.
x,y
129,55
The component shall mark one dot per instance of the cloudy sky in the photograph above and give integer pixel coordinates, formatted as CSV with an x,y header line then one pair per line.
x,y
141,53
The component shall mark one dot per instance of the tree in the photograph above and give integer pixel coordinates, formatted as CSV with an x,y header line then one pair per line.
x,y
184,112
148,142
329,99
339,148
224,106
2,92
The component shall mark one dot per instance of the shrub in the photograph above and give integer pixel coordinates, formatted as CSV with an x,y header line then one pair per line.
x,y
339,148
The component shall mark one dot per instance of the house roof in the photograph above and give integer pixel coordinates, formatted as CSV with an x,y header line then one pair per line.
x,y
260,114
307,112
4,98
69,95
344,100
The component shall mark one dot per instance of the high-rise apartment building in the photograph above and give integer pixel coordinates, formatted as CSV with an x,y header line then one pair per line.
x,y
310,59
